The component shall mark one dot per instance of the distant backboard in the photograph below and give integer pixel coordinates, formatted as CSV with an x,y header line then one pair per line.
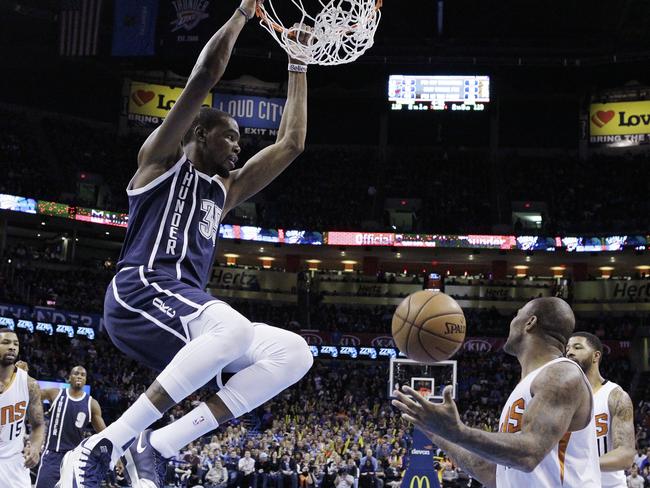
x,y
428,379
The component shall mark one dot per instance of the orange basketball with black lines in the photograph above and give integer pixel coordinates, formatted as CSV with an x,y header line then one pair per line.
x,y
429,326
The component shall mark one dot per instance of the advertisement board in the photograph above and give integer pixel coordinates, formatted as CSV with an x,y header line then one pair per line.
x,y
251,279
374,346
620,123
367,289
55,316
469,241
18,204
149,104
251,112
507,293
612,290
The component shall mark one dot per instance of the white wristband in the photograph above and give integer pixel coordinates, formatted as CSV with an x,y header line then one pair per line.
x,y
297,68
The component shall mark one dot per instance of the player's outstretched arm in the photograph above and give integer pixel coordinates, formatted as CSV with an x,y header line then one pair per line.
x,y
32,451
162,147
623,450
266,165
558,392
96,418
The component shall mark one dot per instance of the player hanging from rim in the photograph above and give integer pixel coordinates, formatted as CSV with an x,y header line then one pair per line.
x,y
71,410
20,399
546,437
613,411
156,310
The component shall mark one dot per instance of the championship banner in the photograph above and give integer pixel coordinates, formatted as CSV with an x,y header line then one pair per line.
x,y
185,26
256,115
134,27
149,104
620,123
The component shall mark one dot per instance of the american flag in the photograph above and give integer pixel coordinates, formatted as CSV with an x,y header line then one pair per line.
x,y
79,27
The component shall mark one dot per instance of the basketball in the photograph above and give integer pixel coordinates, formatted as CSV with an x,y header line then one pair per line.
x,y
428,326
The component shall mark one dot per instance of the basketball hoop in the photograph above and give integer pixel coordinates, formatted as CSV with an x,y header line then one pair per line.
x,y
340,33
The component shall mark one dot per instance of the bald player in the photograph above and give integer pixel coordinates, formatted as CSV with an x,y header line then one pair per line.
x,y
71,411
613,411
20,402
545,437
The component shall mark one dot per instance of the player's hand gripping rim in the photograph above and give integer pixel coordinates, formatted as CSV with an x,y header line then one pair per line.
x,y
439,419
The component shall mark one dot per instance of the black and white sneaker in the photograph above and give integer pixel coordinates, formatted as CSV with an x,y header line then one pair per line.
x,y
145,466
87,464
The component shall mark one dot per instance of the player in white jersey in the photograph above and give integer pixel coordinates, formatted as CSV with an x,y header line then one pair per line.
x,y
613,411
20,400
546,428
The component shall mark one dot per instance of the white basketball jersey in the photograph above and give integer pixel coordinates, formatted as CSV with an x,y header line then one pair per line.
x,y
603,418
572,463
13,412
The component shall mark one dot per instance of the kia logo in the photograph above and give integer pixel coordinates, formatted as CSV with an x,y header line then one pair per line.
x,y
349,340
383,341
606,349
477,345
312,339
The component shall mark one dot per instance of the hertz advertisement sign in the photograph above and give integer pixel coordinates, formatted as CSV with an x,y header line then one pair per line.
x,y
620,123
149,104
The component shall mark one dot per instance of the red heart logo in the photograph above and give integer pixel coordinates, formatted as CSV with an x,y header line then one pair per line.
x,y
142,97
605,116
601,118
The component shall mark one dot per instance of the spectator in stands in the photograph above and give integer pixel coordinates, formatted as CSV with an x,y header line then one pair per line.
x,y
289,474
343,478
247,471
367,475
634,480
217,476
263,467
640,458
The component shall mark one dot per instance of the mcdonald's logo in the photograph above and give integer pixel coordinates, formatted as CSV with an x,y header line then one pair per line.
x,y
421,481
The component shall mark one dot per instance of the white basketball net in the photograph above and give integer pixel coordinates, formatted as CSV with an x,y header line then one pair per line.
x,y
341,32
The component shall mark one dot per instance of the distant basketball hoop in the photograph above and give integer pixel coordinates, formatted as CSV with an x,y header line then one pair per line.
x,y
340,33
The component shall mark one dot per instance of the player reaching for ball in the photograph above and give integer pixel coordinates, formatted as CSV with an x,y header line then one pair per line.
x,y
613,411
156,310
546,430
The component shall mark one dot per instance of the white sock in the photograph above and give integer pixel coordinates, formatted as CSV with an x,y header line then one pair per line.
x,y
137,418
172,438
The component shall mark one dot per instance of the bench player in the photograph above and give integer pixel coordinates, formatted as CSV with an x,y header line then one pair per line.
x,y
20,401
613,411
547,425
156,308
71,411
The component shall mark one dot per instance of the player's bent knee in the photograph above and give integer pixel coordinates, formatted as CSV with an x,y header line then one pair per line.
x,y
299,357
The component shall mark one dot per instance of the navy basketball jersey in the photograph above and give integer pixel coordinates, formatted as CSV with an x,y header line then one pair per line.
x,y
68,419
173,224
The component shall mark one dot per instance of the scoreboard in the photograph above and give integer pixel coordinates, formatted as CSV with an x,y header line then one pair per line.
x,y
454,93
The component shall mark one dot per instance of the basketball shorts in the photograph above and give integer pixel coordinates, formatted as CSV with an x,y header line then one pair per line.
x,y
146,313
14,474
49,471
